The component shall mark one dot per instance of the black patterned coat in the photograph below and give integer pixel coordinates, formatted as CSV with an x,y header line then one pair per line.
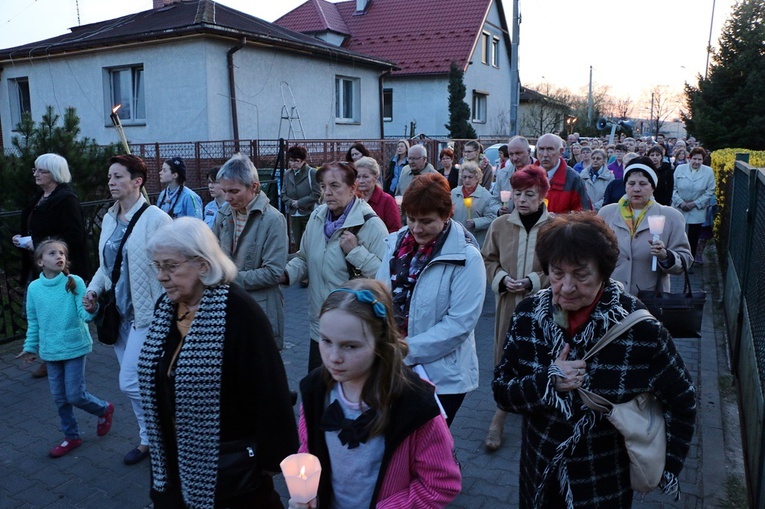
x,y
571,456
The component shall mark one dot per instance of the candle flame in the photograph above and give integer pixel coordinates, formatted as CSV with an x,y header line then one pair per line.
x,y
302,473
116,108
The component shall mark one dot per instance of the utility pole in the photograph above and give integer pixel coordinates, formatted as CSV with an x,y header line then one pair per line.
x,y
709,43
589,102
515,77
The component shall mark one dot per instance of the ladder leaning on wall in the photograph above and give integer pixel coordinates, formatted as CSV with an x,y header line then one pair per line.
x,y
291,114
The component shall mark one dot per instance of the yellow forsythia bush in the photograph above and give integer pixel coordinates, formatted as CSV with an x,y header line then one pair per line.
x,y
723,162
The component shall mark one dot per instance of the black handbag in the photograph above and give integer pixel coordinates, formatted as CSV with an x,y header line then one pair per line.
x,y
680,313
108,317
238,470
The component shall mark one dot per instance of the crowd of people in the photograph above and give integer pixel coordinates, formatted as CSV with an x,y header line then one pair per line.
x,y
397,263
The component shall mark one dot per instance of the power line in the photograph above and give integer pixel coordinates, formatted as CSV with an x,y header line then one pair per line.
x,y
20,12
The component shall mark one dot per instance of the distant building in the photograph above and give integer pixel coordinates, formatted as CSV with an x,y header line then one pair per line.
x,y
423,38
174,68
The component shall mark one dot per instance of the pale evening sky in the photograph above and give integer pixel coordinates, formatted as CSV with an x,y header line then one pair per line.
x,y
632,46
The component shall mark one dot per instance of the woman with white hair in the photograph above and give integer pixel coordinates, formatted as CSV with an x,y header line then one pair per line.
x,y
212,382
474,206
54,212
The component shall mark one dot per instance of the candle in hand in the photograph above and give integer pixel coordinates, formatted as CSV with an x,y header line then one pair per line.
x,y
302,473
656,227
505,197
399,199
468,202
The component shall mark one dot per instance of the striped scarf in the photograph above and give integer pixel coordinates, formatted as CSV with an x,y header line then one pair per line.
x,y
197,389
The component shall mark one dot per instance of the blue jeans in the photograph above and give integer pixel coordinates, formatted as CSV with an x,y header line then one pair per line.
x,y
67,386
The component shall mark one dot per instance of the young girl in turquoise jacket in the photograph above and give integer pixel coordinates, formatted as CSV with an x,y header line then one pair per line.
x,y
58,334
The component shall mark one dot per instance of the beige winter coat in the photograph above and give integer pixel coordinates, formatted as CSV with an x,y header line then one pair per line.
x,y
323,261
633,269
509,251
260,256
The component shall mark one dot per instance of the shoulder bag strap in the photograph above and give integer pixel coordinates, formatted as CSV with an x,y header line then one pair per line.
x,y
618,329
354,272
118,260
687,288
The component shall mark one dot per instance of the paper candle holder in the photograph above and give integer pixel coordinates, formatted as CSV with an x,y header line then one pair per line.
x,y
302,473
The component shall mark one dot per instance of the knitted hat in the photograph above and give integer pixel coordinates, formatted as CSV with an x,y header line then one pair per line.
x,y
177,165
645,169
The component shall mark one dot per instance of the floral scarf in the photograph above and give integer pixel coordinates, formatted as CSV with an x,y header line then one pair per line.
x,y
630,220
405,268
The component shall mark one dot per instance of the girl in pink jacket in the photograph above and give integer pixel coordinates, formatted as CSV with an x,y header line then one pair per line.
x,y
374,425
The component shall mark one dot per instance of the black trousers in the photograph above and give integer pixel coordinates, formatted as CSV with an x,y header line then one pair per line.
x,y
694,231
451,403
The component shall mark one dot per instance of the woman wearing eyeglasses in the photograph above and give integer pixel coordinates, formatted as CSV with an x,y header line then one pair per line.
x,y
137,288
211,379
473,152
54,212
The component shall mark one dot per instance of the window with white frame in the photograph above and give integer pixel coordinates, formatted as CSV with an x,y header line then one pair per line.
x,y
495,51
485,42
479,106
388,104
126,89
20,102
347,101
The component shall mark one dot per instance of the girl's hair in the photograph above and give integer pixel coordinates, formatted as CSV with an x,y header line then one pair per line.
x,y
71,285
366,299
475,145
364,151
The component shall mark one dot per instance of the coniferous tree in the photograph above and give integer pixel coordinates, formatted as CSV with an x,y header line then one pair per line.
x,y
459,112
728,108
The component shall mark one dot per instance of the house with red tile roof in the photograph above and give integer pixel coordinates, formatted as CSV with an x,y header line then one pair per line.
x,y
194,70
422,38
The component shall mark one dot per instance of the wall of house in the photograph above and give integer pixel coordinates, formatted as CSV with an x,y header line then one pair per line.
x,y
495,80
424,100
187,93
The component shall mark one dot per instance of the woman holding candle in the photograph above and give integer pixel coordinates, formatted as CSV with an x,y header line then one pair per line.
x,y
437,278
512,267
369,190
374,425
211,380
474,206
628,220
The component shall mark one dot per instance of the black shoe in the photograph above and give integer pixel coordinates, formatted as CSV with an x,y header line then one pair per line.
x,y
135,456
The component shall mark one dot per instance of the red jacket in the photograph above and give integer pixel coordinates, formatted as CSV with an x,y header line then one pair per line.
x,y
385,207
567,191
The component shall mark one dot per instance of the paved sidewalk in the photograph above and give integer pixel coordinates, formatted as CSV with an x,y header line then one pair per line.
x,y
94,476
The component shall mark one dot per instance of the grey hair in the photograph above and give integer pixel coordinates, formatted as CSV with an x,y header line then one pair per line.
x,y
473,168
423,152
522,140
554,137
370,164
240,169
56,165
194,239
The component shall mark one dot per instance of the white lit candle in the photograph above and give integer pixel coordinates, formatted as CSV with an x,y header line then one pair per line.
x,y
302,473
505,197
656,227
399,199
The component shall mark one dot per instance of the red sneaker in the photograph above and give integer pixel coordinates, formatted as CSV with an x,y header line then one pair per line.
x,y
67,445
105,421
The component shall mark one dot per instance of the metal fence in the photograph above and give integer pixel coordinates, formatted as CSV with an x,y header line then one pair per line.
x,y
744,302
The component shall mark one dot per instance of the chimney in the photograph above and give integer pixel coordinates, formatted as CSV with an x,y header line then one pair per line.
x,y
158,4
361,6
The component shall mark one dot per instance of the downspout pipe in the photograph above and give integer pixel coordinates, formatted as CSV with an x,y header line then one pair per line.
x,y
232,89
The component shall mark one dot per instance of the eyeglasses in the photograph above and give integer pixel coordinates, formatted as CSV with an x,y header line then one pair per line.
x,y
168,267
40,171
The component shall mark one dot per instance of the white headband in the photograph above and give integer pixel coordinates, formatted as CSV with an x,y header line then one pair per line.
x,y
642,167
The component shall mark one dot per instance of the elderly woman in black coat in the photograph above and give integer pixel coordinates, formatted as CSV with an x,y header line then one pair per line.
x,y
572,456
214,390
53,212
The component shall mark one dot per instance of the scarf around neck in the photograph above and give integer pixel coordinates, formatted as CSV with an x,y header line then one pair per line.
x,y
197,394
628,215
405,268
331,226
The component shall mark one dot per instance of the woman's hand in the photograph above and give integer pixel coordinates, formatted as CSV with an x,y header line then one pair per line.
x,y
348,242
515,286
470,224
687,205
15,240
298,505
574,371
90,301
658,250
284,280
